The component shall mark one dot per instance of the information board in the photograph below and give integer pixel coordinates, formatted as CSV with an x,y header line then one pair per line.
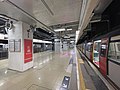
x,y
11,45
18,45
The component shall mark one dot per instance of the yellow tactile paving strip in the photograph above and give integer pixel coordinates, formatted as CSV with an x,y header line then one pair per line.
x,y
82,83
80,61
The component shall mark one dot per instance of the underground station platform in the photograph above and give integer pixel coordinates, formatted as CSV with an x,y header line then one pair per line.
x,y
59,44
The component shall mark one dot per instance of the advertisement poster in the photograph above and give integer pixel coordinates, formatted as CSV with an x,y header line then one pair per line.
x,y
27,50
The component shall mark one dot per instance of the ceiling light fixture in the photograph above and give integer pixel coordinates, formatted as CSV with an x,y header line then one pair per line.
x,y
58,30
41,41
69,29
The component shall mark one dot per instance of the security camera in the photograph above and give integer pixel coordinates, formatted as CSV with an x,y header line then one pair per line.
x,y
9,25
33,28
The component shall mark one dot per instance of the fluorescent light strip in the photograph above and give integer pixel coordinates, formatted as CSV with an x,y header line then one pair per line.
x,y
71,41
98,41
58,30
69,29
77,35
40,41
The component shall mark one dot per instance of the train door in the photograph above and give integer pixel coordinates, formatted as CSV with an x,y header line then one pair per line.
x,y
96,52
103,56
89,50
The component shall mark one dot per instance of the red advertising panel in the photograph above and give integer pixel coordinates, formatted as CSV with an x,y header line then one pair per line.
x,y
27,50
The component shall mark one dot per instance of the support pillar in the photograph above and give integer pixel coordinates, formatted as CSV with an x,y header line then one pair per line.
x,y
20,40
57,45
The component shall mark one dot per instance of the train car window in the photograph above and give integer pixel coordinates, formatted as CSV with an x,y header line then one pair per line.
x,y
1,47
91,47
114,51
96,46
111,52
96,52
103,50
118,45
88,48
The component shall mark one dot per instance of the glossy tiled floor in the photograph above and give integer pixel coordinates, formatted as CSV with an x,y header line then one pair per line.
x,y
47,74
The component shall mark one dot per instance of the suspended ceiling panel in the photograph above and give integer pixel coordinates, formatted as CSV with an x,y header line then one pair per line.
x,y
49,12
63,11
27,5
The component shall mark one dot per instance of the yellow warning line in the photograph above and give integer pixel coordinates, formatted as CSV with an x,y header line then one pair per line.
x,y
82,83
80,61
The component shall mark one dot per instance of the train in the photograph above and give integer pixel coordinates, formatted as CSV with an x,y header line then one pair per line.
x,y
38,46
104,52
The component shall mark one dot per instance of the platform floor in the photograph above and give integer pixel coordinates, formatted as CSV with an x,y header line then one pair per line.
x,y
47,74
51,71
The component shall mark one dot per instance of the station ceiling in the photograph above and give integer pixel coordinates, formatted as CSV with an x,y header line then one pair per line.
x,y
44,13
51,14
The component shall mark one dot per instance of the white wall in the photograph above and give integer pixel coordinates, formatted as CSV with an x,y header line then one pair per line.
x,y
57,45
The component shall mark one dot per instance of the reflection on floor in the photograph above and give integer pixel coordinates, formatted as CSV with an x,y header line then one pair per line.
x,y
47,74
